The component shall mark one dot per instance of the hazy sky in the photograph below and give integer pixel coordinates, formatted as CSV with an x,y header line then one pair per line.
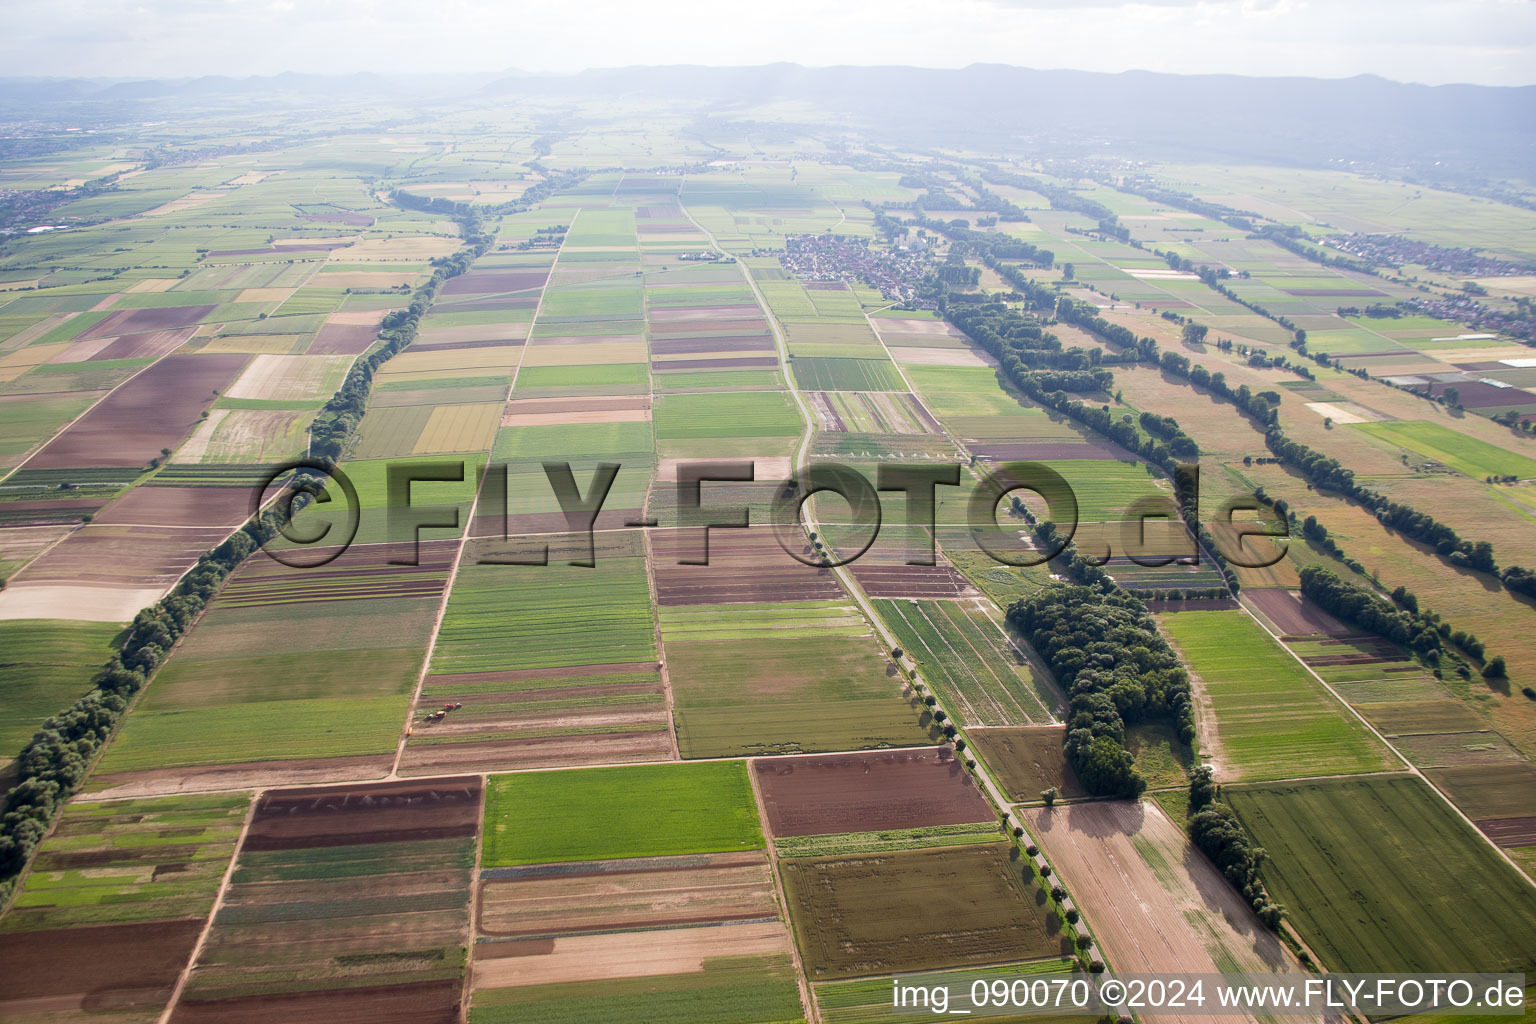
x,y
1484,41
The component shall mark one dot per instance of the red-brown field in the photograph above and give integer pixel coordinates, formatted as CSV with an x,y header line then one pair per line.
x,y
360,572
1292,616
74,972
805,796
412,1003
733,343
342,340
154,410
150,345
122,556
541,718
1510,831
703,314
744,565
725,363
290,819
139,321
919,581
347,903
1027,760
178,506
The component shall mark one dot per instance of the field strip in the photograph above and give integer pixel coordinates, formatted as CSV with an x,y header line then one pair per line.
x,y
218,902
458,557
1411,767
807,990
473,909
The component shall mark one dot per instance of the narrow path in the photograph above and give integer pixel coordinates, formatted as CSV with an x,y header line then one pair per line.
x,y
218,903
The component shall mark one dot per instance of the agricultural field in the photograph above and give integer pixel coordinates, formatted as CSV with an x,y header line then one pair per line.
x,y
870,914
1268,718
1360,865
1129,854
344,900
478,763
632,811
979,672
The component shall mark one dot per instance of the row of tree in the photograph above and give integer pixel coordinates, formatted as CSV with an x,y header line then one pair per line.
x,y
1325,472
1216,829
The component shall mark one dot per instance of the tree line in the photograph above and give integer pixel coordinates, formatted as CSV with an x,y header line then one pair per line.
x,y
1216,829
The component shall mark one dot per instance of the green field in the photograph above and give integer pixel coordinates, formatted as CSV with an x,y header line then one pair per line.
x,y
1477,459
819,373
608,813
750,414
790,620
868,1000
265,731
787,696
131,860
1380,875
44,665
968,659
520,617
1273,720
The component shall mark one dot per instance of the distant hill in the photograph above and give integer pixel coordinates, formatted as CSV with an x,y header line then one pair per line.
x,y
1437,131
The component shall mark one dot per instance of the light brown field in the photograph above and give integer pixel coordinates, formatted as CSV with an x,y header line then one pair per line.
x,y
1156,904
283,377
656,892
544,354
366,280
264,295
80,603
256,344
459,428
624,955
942,357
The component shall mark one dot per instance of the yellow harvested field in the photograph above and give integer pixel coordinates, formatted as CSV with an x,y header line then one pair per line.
x,y
585,355
264,295
246,436
153,284
419,248
356,317
451,360
543,419
77,603
1343,412
14,364
290,378
367,280
459,428
186,202
942,357
256,344
1156,904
